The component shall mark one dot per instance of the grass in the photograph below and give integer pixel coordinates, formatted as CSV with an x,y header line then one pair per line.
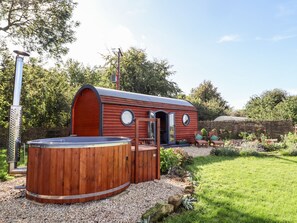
x,y
243,189
3,164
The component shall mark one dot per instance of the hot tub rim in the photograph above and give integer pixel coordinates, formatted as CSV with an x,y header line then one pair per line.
x,y
59,143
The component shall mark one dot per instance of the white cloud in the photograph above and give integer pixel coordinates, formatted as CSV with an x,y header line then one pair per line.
x,y
229,38
277,38
282,37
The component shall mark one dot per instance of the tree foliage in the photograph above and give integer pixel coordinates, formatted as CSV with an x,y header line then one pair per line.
x,y
47,93
46,96
208,101
43,26
141,75
269,105
78,74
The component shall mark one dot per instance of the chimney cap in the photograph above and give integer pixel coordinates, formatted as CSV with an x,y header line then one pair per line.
x,y
21,53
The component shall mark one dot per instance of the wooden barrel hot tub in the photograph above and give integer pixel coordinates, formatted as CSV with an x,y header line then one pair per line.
x,y
77,169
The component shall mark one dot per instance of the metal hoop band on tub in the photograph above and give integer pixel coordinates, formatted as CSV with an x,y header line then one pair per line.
x,y
79,196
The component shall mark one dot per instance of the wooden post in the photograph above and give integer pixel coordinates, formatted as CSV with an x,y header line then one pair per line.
x,y
136,151
158,148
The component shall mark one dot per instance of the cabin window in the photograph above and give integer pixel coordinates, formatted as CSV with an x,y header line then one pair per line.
x,y
127,117
186,119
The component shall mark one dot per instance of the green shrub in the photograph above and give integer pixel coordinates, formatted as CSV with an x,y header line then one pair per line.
x,y
204,132
290,139
261,145
249,152
231,151
226,134
252,145
269,147
3,164
273,147
177,171
224,151
291,151
186,159
169,159
247,136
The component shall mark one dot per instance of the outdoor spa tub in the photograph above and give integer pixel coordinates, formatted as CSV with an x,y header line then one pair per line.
x,y
77,169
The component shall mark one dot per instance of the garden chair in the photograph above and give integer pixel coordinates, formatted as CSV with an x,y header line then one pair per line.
x,y
199,140
214,139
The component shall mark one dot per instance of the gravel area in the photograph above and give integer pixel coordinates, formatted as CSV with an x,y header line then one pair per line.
x,y
125,207
197,151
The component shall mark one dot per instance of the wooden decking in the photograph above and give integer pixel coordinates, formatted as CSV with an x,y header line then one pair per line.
x,y
144,148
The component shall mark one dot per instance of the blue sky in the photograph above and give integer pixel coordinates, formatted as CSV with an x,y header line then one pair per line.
x,y
243,47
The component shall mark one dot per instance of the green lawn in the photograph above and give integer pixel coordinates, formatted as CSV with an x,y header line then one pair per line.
x,y
244,189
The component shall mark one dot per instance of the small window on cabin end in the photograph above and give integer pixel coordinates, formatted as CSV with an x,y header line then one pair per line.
x,y
186,119
127,117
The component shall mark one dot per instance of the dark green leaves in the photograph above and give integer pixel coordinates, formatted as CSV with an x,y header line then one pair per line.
x,y
141,75
208,101
41,26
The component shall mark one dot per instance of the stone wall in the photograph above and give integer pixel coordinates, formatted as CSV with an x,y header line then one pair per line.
x,y
227,129
231,129
34,133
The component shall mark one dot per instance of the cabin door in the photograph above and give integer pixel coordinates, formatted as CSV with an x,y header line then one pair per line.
x,y
163,126
167,127
171,128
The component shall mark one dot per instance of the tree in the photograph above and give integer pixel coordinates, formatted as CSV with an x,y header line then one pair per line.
x,y
46,95
208,101
7,67
287,109
263,107
206,92
139,74
78,74
42,26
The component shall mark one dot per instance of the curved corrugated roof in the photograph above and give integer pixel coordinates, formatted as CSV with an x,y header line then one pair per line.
x,y
141,97
230,118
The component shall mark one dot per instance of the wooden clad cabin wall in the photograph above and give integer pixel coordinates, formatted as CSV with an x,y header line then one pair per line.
x,y
112,125
85,114
186,132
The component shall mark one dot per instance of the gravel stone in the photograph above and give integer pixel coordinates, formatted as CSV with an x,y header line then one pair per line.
x,y
197,151
125,207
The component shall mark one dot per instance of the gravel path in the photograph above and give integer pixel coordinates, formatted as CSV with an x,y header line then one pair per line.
x,y
125,207
197,151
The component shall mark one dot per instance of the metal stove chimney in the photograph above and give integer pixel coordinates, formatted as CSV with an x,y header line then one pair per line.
x,y
14,141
